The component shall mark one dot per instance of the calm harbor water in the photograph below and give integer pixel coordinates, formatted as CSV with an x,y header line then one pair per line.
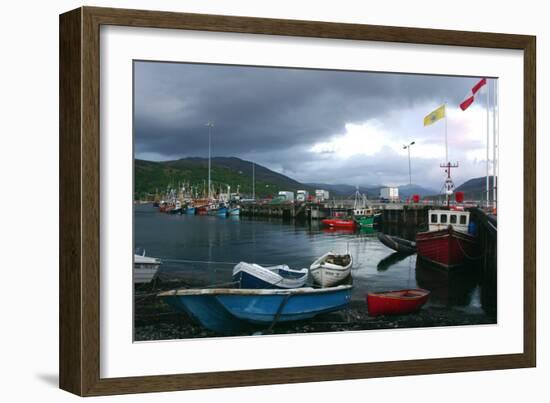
x,y
202,250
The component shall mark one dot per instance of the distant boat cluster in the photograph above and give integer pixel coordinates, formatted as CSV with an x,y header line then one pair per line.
x,y
183,202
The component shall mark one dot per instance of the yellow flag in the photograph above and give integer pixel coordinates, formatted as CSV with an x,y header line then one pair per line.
x,y
439,113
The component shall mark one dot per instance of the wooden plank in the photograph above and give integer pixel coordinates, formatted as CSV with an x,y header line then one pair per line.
x,y
70,279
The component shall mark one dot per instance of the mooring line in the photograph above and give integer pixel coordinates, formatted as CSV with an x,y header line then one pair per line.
x,y
208,262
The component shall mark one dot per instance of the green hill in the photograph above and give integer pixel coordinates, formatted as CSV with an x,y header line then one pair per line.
x,y
150,176
476,188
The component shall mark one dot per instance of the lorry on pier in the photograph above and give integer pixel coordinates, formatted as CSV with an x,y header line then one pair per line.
x,y
286,196
302,196
321,195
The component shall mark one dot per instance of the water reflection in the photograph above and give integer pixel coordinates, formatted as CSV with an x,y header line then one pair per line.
x,y
448,287
390,260
203,250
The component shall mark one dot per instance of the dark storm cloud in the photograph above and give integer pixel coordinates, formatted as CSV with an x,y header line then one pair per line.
x,y
268,111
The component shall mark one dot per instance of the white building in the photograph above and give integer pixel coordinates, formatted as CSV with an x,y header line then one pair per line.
x,y
389,193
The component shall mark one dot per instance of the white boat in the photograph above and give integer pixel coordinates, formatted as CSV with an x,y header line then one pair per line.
x,y
331,269
252,275
145,268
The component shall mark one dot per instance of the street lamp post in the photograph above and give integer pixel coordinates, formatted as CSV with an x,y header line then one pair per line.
x,y
408,147
210,125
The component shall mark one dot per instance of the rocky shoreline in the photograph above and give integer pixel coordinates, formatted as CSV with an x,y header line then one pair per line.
x,y
155,320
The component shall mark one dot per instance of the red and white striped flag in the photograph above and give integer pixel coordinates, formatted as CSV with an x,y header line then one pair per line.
x,y
470,97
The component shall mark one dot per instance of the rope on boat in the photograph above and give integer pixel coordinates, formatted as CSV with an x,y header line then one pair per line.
x,y
208,262
468,256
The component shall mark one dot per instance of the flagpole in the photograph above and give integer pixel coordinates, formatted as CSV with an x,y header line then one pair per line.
x,y
446,144
487,151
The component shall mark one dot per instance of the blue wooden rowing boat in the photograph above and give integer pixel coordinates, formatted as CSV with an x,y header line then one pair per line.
x,y
252,275
232,310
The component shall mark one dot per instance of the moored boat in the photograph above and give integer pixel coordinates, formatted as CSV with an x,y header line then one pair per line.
x,y
217,210
230,310
396,302
251,275
331,269
398,244
448,243
189,210
201,210
145,268
337,222
368,220
234,211
364,215
221,212
177,209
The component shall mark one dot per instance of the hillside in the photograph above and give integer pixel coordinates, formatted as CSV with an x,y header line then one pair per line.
x,y
151,176
474,189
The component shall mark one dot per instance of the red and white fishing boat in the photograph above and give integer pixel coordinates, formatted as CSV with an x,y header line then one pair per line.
x,y
396,302
450,240
448,243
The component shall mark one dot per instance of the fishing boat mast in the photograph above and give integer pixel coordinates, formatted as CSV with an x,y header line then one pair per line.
x,y
449,185
253,181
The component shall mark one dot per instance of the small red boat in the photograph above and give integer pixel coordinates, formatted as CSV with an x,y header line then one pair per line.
x,y
396,302
339,222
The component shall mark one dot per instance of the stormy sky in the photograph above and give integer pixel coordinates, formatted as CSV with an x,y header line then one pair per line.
x,y
312,125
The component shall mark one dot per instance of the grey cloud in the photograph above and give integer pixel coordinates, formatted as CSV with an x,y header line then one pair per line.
x,y
274,115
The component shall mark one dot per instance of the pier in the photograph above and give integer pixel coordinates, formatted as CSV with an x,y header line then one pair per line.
x,y
487,233
392,213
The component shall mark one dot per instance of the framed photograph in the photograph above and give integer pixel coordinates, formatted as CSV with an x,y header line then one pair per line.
x,y
249,201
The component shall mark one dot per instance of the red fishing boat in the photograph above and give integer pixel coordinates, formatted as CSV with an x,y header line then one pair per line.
x,y
447,244
202,210
396,302
336,222
450,240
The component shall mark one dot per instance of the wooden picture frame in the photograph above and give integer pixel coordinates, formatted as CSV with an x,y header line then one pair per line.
x,y
80,196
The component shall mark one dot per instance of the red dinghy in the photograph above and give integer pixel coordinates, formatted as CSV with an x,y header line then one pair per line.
x,y
339,223
396,302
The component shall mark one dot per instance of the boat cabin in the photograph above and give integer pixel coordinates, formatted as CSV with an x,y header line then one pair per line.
x,y
363,212
441,219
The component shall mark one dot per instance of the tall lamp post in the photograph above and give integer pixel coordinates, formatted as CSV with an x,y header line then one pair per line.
x,y
210,125
408,147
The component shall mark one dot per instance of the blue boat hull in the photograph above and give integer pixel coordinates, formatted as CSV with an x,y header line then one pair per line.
x,y
234,212
297,307
233,313
221,212
190,211
208,312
